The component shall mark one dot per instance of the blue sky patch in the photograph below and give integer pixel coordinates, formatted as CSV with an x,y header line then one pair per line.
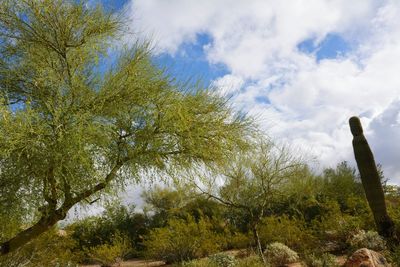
x,y
110,5
190,62
332,46
263,100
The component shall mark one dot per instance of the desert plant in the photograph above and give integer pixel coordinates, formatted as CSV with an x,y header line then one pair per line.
x,y
324,260
334,229
279,254
252,261
282,229
223,260
369,239
72,128
371,181
238,240
394,255
196,263
115,220
182,240
53,248
110,253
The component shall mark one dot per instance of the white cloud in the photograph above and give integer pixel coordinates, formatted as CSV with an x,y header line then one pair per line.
x,y
307,103
385,132
228,84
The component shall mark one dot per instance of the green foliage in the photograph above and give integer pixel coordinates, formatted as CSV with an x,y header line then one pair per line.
x,y
109,253
52,248
282,229
334,229
70,130
238,240
223,260
252,261
324,260
370,239
116,220
394,255
341,184
182,240
279,254
254,180
205,262
164,203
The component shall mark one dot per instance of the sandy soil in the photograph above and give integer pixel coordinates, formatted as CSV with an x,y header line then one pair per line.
x,y
144,263
134,263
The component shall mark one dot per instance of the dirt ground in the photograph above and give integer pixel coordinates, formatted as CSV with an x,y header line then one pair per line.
x,y
135,263
144,263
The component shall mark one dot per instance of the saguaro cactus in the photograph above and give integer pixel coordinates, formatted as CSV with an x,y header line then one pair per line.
x,y
371,181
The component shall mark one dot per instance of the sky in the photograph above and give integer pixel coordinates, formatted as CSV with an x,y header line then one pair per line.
x,y
302,68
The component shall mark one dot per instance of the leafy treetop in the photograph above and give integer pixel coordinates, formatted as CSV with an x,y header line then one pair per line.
x,y
69,130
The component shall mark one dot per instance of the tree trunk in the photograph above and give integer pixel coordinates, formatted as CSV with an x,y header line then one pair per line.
x,y
53,215
371,181
44,224
258,245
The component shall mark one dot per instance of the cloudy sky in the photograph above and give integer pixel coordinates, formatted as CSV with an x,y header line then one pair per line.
x,y
301,67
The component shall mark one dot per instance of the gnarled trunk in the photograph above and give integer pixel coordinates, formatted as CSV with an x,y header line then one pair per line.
x,y
44,224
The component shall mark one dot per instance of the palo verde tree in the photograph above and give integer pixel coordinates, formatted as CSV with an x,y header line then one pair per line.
x,y
70,129
252,182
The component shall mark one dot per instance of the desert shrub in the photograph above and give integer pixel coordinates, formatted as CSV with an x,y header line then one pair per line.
x,y
334,229
369,239
182,240
282,229
252,261
324,260
52,248
238,240
394,256
279,254
196,263
109,253
223,260
244,253
98,230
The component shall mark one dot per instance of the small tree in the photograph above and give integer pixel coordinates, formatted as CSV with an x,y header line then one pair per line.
x,y
70,129
255,180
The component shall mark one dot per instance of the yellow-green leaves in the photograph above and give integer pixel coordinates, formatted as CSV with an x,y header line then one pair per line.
x,y
69,130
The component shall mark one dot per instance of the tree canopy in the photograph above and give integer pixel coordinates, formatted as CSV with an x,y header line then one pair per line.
x,y
252,182
70,128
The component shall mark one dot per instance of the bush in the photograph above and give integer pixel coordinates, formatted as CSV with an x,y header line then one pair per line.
x,y
196,263
334,229
292,232
118,219
370,239
223,260
109,253
394,256
324,260
238,240
52,248
182,240
252,261
279,254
